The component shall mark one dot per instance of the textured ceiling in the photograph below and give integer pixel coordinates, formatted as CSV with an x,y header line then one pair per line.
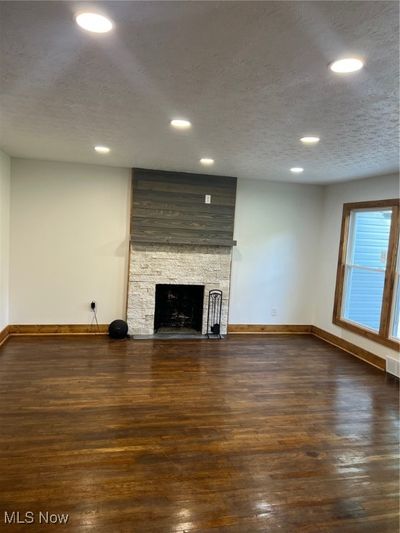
x,y
251,76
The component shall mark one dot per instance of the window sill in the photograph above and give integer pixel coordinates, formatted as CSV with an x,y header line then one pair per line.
x,y
368,334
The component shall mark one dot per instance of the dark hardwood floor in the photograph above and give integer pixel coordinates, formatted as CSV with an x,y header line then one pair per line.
x,y
248,434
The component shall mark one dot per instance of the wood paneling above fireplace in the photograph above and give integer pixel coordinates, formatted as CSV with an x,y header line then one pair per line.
x,y
170,208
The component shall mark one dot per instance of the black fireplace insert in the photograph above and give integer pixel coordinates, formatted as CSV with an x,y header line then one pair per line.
x,y
179,307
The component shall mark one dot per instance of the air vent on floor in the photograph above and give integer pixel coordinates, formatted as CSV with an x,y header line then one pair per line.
x,y
393,366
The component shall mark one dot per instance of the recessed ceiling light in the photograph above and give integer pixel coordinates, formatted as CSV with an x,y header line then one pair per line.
x,y
180,124
309,140
207,161
346,65
94,22
296,170
102,149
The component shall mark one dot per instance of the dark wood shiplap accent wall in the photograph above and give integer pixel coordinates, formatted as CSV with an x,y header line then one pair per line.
x,y
169,207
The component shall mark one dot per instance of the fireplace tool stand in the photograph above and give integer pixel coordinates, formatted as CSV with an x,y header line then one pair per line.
x,y
214,314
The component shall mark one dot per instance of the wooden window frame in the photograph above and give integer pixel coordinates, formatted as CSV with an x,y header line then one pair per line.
x,y
384,334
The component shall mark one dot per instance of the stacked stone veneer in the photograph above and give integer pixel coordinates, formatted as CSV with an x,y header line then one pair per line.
x,y
152,264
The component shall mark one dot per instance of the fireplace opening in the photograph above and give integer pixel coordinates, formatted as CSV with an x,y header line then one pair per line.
x,y
179,307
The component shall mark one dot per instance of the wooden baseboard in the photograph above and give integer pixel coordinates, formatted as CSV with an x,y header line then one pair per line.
x,y
279,329
57,329
4,334
349,347
268,328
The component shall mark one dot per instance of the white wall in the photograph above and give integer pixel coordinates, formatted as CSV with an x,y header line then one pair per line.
x,y
69,245
69,242
378,188
69,235
274,264
4,238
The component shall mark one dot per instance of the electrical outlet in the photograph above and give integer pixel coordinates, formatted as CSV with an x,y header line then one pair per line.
x,y
93,305
274,311
207,199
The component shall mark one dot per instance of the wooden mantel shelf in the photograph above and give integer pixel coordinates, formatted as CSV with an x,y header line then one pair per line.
x,y
136,239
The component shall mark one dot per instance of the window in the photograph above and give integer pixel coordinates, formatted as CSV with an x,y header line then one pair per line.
x,y
396,305
365,267
367,298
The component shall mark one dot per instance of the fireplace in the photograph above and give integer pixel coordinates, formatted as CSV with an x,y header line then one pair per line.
x,y
178,307
181,235
175,265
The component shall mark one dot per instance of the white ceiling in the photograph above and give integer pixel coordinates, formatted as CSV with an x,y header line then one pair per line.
x,y
251,76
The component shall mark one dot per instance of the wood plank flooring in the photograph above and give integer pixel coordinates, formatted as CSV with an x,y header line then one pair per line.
x,y
248,434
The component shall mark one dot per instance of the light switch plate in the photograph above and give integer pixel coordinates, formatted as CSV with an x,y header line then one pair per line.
x,y
207,199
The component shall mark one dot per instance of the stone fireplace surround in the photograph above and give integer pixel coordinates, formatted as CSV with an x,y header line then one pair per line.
x,y
151,264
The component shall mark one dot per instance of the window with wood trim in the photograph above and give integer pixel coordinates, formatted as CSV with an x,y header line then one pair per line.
x,y
367,297
395,326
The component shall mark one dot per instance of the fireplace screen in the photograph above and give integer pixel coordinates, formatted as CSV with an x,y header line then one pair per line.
x,y
179,306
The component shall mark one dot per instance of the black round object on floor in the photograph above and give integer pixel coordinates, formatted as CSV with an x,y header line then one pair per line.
x,y
118,329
